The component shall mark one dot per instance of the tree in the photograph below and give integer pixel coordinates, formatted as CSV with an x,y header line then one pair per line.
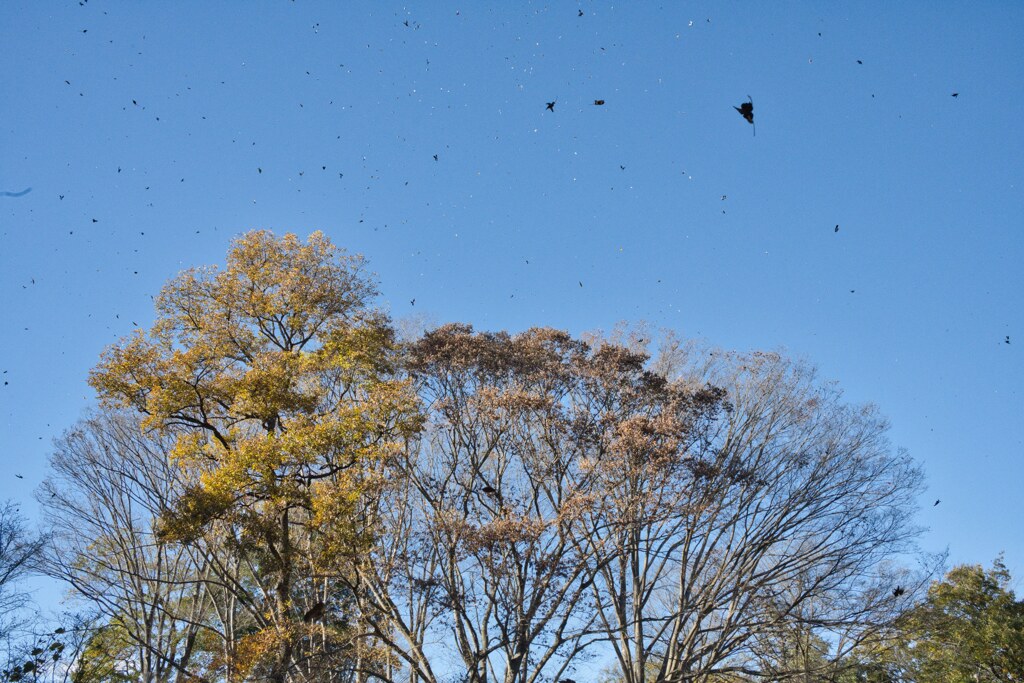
x,y
970,628
777,523
273,377
490,546
109,483
18,550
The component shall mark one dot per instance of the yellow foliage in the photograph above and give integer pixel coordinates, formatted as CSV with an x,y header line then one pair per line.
x,y
275,376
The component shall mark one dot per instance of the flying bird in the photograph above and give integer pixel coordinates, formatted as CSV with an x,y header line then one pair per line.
x,y
937,501
551,105
1007,339
956,94
598,103
19,476
897,591
488,489
837,228
746,110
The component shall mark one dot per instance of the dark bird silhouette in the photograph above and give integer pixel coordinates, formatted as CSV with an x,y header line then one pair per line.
x,y
551,105
581,283
937,501
746,110
837,228
435,157
897,591
859,62
314,613
579,15
956,94
412,302
489,490
1007,339
19,476
598,103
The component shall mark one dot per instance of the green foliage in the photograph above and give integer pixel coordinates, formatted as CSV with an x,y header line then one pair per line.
x,y
970,629
105,657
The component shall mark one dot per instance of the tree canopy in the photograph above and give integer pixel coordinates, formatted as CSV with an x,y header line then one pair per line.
x,y
276,489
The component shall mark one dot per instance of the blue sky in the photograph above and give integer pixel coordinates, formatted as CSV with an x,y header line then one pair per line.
x,y
150,135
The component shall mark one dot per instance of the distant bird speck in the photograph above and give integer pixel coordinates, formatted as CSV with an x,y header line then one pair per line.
x,y
598,103
581,283
412,302
19,476
859,62
897,591
956,94
837,228
435,157
551,105
1007,339
937,501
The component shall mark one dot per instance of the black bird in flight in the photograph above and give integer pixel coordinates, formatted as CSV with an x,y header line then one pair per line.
x,y
551,105
598,103
579,15
746,110
435,157
897,591
1007,339
956,94
488,489
837,228
937,501
19,476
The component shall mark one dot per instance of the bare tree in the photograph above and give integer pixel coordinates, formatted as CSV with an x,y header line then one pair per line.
x,y
19,549
487,510
109,484
782,517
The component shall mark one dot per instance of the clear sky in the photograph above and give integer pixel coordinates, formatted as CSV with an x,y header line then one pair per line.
x,y
150,134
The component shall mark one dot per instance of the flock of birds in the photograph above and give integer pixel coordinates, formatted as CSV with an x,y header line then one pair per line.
x,y
744,109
